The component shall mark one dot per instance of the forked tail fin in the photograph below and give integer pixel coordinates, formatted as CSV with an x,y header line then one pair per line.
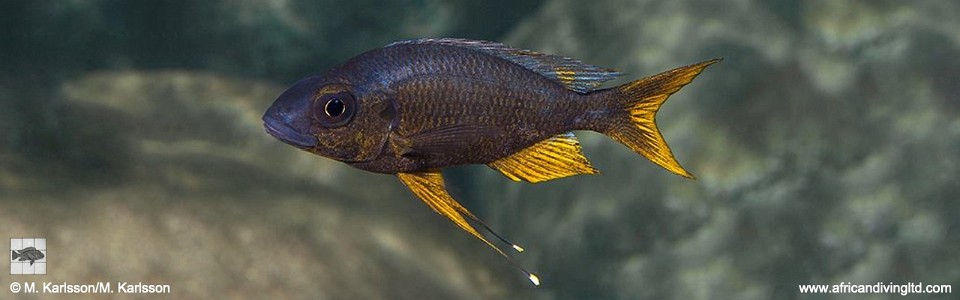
x,y
641,99
14,255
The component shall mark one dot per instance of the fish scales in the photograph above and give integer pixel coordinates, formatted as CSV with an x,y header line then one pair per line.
x,y
474,89
512,114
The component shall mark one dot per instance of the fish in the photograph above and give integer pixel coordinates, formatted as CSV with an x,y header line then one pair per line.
x,y
28,253
415,107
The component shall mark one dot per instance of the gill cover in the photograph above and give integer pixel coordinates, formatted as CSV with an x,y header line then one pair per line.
x,y
350,124
347,122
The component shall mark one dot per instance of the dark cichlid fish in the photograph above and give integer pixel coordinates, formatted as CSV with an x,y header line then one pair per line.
x,y
28,253
414,107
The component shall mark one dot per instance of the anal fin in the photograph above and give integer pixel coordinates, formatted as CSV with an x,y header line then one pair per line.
x,y
556,157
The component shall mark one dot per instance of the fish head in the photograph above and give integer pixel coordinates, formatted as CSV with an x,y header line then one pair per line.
x,y
331,118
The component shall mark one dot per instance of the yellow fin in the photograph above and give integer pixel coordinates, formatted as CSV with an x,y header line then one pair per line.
x,y
429,187
556,157
642,99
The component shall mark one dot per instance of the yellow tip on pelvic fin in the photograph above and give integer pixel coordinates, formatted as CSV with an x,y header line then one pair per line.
x,y
534,279
429,187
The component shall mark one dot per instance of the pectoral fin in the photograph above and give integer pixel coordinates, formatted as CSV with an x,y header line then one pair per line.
x,y
556,157
438,140
428,186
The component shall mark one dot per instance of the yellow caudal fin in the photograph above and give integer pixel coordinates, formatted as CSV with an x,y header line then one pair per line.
x,y
429,187
556,157
642,99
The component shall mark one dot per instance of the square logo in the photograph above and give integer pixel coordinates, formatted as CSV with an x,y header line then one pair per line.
x,y
28,256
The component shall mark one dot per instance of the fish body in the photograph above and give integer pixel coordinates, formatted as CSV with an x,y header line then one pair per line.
x,y
28,253
438,105
415,107
474,109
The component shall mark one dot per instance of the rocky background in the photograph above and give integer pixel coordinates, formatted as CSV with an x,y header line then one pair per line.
x,y
826,146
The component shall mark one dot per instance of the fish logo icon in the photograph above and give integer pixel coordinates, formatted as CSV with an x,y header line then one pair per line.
x,y
28,253
28,256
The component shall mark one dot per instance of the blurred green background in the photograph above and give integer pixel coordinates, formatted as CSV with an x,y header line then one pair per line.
x,y
826,146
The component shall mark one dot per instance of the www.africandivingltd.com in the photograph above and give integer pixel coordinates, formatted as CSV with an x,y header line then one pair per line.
x,y
876,288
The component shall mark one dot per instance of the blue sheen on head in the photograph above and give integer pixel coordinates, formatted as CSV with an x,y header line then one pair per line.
x,y
288,118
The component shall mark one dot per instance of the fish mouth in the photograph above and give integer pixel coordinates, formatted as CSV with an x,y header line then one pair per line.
x,y
288,135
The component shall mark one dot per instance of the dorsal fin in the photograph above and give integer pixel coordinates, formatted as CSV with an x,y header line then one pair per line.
x,y
572,74
556,157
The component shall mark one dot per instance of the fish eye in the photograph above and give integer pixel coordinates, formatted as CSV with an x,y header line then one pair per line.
x,y
334,110
334,107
